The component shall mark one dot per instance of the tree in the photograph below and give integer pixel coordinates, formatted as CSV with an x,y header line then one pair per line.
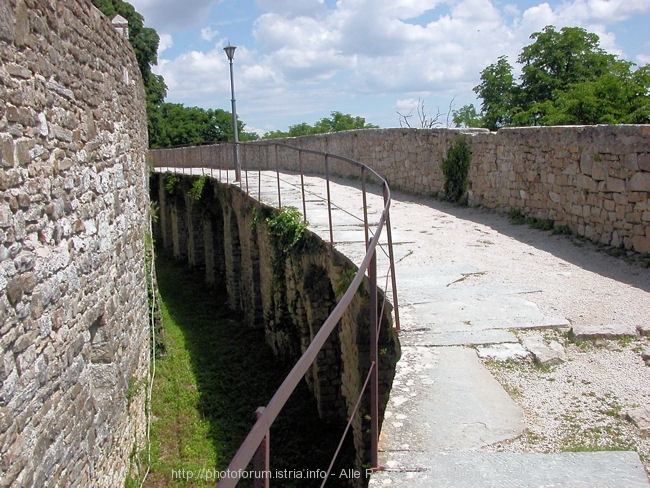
x,y
566,79
335,123
557,60
497,89
179,125
467,116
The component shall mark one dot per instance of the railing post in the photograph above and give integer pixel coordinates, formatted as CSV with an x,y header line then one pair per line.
x,y
329,198
365,205
261,461
374,363
242,156
277,173
302,186
391,258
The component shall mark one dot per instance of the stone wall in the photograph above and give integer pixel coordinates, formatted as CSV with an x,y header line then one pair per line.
x,y
74,338
595,180
289,294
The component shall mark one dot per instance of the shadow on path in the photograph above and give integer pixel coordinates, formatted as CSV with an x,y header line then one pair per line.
x,y
580,252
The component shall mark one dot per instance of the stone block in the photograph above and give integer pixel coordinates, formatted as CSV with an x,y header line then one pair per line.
x,y
640,182
599,170
640,417
643,160
545,354
604,331
641,244
615,185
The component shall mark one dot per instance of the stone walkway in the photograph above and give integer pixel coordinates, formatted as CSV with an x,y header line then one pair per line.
x,y
465,278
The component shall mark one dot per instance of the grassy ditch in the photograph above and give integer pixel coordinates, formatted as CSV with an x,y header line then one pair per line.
x,y
215,373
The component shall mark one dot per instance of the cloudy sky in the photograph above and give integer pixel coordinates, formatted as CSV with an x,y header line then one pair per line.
x,y
299,60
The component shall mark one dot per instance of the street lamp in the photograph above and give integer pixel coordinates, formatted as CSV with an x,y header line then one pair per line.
x,y
230,52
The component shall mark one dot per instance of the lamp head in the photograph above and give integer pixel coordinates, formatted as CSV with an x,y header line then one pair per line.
x,y
230,51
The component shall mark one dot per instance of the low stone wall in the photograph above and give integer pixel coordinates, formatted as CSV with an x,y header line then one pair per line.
x,y
289,294
74,340
595,180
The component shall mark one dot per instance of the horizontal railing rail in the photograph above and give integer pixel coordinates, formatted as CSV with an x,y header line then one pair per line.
x,y
255,157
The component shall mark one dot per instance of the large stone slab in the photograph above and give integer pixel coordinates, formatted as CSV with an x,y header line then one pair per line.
x,y
426,336
512,470
603,331
444,399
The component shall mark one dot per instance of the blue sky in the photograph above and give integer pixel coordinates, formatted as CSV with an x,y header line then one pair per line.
x,y
299,60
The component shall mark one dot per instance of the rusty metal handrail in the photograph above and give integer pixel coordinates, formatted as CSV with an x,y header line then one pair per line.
x,y
258,435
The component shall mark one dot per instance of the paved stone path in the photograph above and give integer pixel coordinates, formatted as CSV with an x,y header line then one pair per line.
x,y
467,277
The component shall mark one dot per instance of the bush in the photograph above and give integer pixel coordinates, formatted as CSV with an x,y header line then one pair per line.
x,y
455,167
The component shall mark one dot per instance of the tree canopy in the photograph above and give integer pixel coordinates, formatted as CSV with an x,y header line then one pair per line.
x,y
179,125
566,78
335,123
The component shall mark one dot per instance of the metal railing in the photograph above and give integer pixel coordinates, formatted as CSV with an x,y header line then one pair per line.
x,y
260,158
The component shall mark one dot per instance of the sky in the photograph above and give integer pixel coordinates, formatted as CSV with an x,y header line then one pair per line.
x,y
299,60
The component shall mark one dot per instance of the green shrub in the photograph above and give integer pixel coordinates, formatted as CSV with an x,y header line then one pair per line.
x,y
455,167
286,228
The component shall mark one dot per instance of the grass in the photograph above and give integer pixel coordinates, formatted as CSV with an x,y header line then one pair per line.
x,y
215,374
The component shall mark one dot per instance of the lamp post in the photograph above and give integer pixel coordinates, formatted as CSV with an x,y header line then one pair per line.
x,y
230,52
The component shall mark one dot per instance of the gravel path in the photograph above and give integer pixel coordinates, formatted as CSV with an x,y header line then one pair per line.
x,y
595,399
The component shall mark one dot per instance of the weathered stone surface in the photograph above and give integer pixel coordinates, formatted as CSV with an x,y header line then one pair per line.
x,y
502,352
64,421
606,331
644,329
545,353
640,417
612,469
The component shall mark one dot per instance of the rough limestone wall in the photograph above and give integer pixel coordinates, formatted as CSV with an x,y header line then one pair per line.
x,y
593,179
288,294
74,341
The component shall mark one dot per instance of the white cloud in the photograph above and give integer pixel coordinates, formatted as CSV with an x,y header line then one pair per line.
x,y
293,8
166,42
165,15
208,34
308,57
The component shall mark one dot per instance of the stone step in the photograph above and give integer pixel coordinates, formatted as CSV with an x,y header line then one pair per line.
x,y
610,469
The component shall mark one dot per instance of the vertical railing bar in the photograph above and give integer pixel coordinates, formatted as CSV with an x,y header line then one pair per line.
x,y
259,185
302,186
329,199
365,204
241,154
277,173
374,379
262,459
391,259
346,430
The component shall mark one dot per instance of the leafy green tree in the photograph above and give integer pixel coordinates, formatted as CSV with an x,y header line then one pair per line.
x,y
179,125
557,60
497,90
339,122
566,79
616,97
336,122
467,116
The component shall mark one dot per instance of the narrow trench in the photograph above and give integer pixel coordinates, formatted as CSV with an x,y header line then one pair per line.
x,y
235,373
